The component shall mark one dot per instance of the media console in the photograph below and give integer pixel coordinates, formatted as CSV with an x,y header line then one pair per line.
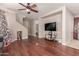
x,y
50,36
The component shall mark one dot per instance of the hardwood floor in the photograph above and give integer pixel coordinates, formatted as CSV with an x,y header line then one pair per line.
x,y
39,47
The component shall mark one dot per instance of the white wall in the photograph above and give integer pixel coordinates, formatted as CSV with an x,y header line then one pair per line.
x,y
30,25
61,36
69,25
69,31
36,22
64,21
15,26
41,27
52,18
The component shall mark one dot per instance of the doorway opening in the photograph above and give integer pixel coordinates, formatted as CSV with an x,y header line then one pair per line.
x,y
37,30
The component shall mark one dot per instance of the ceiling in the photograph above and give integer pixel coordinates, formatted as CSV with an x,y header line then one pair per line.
x,y
42,8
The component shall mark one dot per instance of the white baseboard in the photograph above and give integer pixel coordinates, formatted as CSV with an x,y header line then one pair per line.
x,y
60,41
25,38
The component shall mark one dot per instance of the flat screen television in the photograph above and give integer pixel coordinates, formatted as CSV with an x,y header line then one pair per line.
x,y
50,26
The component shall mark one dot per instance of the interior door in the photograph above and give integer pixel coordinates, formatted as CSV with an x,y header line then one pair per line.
x,y
76,28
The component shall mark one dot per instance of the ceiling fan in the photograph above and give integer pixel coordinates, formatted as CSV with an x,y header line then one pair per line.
x,y
29,7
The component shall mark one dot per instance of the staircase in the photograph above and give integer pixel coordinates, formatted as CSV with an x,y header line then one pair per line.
x,y
24,28
15,25
26,22
20,19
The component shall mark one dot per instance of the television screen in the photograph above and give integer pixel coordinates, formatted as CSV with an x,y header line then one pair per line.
x,y
50,26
